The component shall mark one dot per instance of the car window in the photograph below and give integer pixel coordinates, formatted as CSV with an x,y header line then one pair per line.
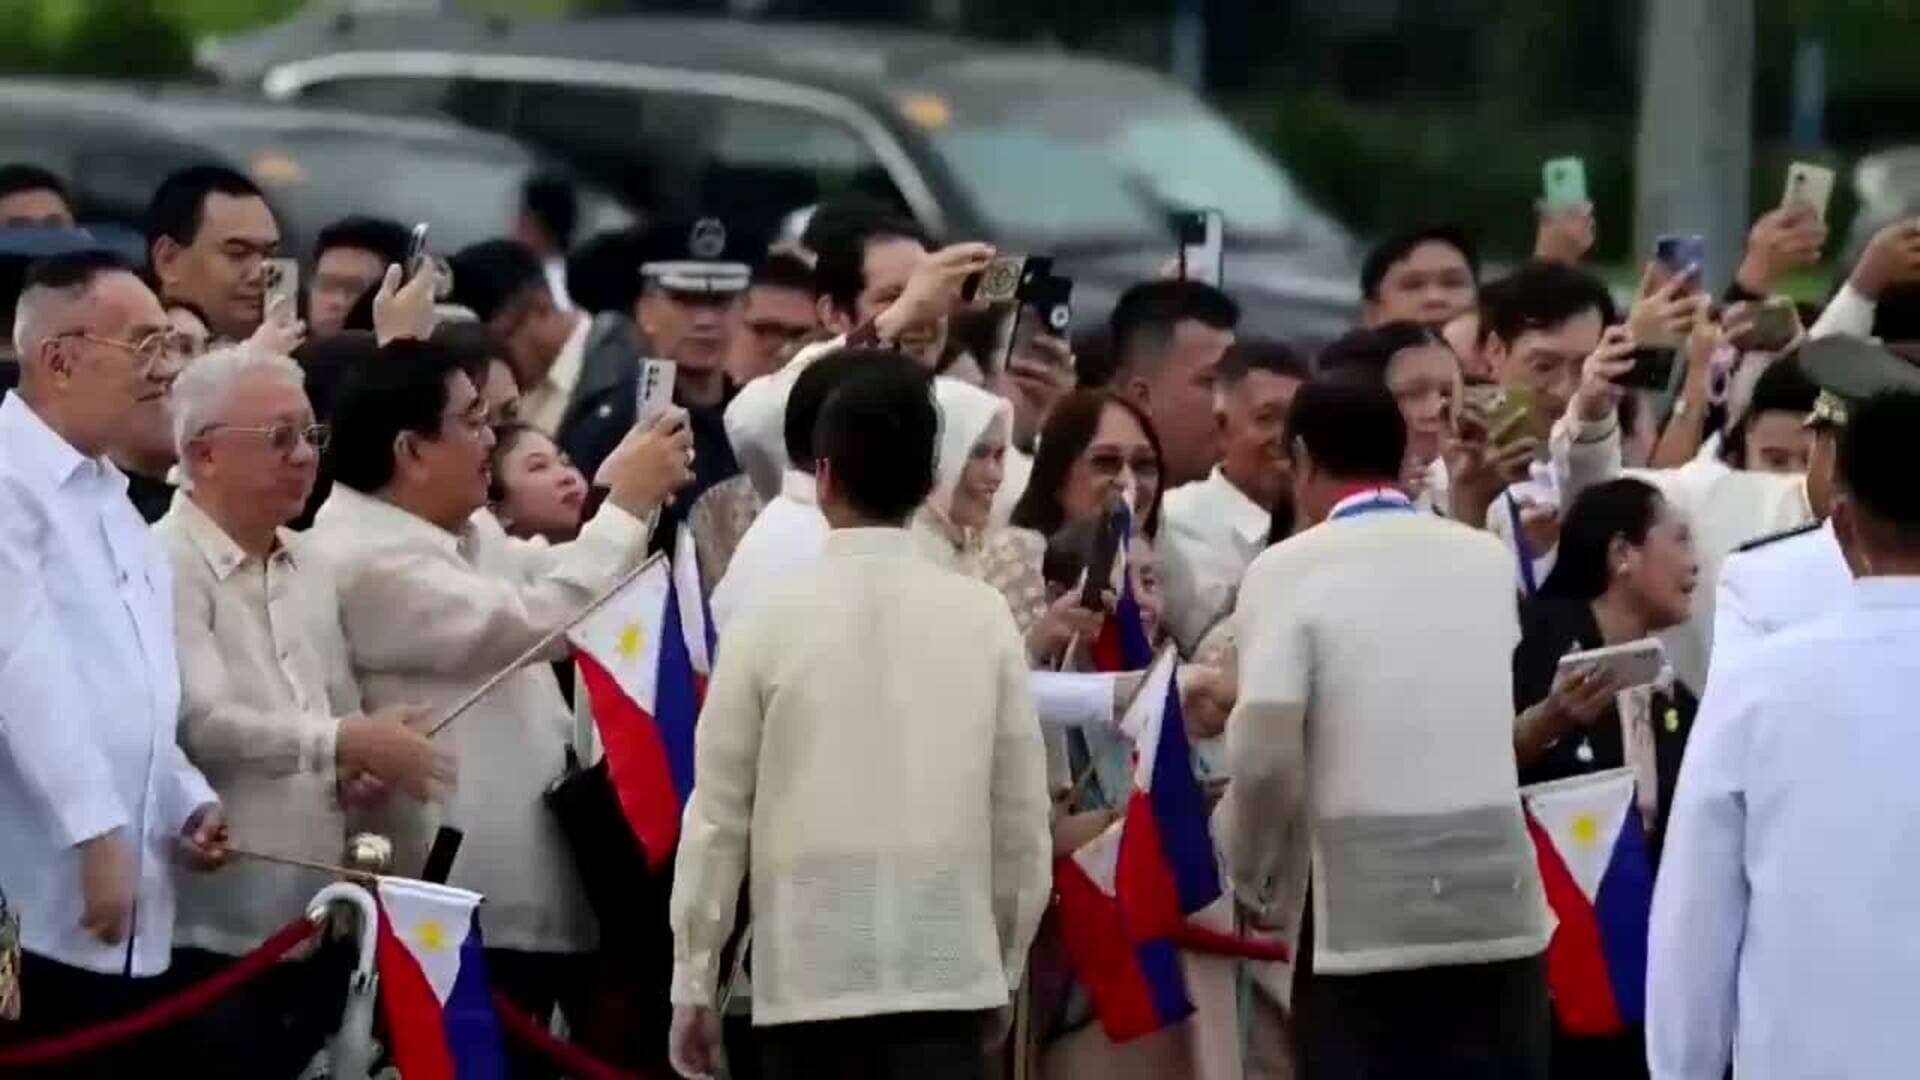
x,y
397,94
766,158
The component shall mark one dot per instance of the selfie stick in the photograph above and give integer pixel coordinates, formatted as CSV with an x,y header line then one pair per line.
x,y
546,642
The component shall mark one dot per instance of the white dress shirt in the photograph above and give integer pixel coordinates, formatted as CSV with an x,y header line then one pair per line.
x,y
1210,534
264,681
429,615
1767,587
89,698
882,776
787,537
1791,860
555,267
545,406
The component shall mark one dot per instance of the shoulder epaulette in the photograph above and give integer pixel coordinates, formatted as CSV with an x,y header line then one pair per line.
x,y
1755,545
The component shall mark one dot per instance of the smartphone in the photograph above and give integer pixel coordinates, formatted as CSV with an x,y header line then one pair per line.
x,y
1563,183
1203,246
1678,251
446,847
1106,551
655,393
281,291
1652,368
416,248
1636,663
1809,184
1506,409
997,284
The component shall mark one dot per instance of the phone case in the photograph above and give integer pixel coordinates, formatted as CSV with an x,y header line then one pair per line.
x,y
1809,184
1564,182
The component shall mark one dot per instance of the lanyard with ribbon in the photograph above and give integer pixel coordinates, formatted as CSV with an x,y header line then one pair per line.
x,y
1370,501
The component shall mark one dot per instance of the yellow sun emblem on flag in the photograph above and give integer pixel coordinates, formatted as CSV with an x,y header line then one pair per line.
x,y
430,935
1585,829
629,642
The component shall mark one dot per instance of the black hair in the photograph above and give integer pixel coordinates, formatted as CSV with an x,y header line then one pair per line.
x,y
472,347
809,392
1621,508
384,238
505,438
487,276
1147,313
876,435
179,204
402,387
840,267
21,177
1396,248
549,198
1351,430
1896,316
1541,296
1068,431
326,362
1873,464
784,270
1363,355
852,212
1243,358
975,334
72,269
1782,387
603,273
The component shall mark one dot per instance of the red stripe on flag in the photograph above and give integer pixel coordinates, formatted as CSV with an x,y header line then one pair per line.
x,y
1149,898
416,1031
636,762
1576,962
1104,955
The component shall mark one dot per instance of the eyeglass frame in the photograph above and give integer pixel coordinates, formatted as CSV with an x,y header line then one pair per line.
x,y
304,432
138,350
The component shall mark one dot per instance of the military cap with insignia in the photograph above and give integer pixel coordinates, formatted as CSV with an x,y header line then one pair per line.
x,y
698,255
1848,371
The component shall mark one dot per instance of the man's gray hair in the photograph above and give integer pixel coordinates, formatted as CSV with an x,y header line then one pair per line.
x,y
54,294
203,389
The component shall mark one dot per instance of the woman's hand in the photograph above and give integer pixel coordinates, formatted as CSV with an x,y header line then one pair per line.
x,y
1065,621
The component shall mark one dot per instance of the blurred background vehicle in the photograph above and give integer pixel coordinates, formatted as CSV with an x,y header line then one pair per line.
x,y
1039,151
117,142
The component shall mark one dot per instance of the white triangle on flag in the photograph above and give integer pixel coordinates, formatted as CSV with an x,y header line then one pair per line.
x,y
1141,721
623,634
1583,816
1099,858
692,600
432,922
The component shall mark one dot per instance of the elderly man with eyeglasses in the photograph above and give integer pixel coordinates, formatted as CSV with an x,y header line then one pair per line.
x,y
270,710
97,801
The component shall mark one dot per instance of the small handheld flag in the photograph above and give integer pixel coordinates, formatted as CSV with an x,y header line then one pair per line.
x,y
433,983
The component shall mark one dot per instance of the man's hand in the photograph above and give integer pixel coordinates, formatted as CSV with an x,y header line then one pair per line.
x,y
404,311
934,289
1599,394
1041,386
204,839
390,747
1892,257
1564,234
1481,463
361,791
1665,313
649,465
106,886
1206,698
1784,239
1071,832
694,1046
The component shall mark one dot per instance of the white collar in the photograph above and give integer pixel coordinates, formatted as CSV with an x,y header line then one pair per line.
x,y
1249,520
799,487
564,375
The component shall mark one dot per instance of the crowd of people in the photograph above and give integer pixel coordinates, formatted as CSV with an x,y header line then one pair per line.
x,y
256,552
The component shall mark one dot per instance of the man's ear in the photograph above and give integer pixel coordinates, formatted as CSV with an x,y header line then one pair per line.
x,y
164,255
830,316
1137,390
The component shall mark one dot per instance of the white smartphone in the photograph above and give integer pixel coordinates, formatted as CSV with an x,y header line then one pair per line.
x,y
1203,247
1809,184
416,249
655,394
1637,663
281,292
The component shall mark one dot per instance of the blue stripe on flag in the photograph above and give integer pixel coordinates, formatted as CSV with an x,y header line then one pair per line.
x,y
1622,907
676,704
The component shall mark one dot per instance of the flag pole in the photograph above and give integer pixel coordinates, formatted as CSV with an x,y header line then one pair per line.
x,y
546,642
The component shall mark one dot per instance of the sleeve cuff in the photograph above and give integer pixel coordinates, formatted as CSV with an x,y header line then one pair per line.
x,y
319,745
616,528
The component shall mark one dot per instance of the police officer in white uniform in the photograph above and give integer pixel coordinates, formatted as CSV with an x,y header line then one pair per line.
x,y
1799,575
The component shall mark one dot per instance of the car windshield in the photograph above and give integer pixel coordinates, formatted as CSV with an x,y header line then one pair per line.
x,y
1102,161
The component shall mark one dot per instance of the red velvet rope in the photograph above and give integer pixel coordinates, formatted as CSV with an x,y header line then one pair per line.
x,y
1214,943
166,1011
565,1056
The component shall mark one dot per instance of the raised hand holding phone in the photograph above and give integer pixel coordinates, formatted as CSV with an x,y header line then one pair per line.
x,y
1599,393
1565,229
649,464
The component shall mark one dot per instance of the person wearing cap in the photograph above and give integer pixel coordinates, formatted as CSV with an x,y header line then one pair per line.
x,y
577,372
1731,507
693,273
1800,575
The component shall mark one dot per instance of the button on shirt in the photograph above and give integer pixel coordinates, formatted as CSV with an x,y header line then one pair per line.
x,y
1779,931
1213,531
264,678
89,698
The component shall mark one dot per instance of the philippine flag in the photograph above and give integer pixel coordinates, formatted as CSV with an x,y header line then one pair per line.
x,y
1168,869
1136,986
644,657
1121,644
1598,877
433,983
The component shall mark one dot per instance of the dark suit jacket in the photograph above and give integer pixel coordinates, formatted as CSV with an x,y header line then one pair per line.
x,y
604,402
